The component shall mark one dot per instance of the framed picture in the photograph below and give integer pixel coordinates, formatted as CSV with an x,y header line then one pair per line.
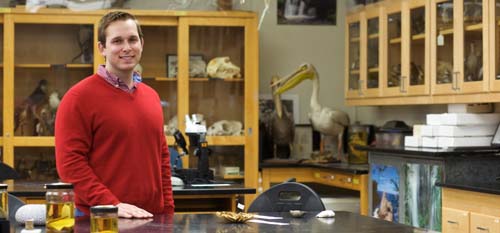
x,y
197,66
303,142
307,12
290,103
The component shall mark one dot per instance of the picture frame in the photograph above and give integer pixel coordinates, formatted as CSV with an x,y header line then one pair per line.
x,y
307,12
197,66
266,106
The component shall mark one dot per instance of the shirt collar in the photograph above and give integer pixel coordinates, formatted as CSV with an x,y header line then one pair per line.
x,y
117,82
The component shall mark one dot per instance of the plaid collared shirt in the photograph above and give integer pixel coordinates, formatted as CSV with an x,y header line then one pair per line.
x,y
116,82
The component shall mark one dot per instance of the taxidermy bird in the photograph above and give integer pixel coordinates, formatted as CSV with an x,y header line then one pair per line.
x,y
323,119
281,126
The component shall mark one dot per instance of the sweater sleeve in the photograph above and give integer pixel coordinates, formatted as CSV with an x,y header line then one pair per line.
x,y
73,139
168,199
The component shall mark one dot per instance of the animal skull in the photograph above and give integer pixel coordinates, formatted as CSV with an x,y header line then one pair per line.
x,y
225,128
222,67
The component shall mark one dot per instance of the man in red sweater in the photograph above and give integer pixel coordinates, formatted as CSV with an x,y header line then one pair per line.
x,y
109,131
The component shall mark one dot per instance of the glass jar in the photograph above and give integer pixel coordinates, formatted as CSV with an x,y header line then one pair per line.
x,y
4,202
60,216
103,218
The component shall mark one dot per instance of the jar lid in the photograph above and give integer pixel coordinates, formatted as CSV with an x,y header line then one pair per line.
x,y
103,209
59,186
3,186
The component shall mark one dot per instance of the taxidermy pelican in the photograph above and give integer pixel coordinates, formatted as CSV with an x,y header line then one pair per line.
x,y
323,119
281,126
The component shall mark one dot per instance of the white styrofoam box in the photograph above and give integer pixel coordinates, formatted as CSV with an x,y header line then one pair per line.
x,y
350,204
433,119
469,118
413,141
429,130
465,130
417,130
430,142
463,141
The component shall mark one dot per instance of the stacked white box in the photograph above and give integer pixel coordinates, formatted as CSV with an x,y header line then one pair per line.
x,y
465,130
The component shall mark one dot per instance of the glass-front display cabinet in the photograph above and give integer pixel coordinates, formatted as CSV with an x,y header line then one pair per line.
x,y
353,48
458,64
393,81
494,51
218,88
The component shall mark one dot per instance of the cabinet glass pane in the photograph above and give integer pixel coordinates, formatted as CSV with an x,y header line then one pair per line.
x,y
218,94
373,53
444,50
354,55
473,40
227,162
159,64
394,51
45,69
417,46
35,163
1,79
497,39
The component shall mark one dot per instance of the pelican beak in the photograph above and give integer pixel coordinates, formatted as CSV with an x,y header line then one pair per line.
x,y
286,83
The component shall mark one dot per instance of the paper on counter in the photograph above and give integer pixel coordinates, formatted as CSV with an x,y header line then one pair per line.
x,y
266,217
268,222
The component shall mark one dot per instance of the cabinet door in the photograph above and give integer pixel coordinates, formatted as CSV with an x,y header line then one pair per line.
x,y
417,54
458,46
455,221
159,66
494,51
223,97
370,80
480,223
353,52
393,79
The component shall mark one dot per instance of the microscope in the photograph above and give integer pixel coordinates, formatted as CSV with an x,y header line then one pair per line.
x,y
197,139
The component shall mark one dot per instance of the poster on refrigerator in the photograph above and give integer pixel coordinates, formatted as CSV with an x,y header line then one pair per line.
x,y
385,185
422,199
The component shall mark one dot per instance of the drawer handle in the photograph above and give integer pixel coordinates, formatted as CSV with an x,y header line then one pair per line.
x,y
452,222
330,177
483,228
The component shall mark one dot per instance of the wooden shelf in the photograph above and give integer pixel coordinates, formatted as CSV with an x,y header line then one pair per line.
x,y
226,140
373,36
418,37
373,70
354,72
34,141
47,66
395,41
474,27
161,79
446,32
233,177
216,79
355,39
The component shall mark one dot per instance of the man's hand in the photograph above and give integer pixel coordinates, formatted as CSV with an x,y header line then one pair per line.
x,y
131,211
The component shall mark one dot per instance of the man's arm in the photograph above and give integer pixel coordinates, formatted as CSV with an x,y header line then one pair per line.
x,y
168,198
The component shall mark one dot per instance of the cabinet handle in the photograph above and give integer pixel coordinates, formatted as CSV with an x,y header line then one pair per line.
x,y
454,81
402,87
483,228
330,177
360,87
452,222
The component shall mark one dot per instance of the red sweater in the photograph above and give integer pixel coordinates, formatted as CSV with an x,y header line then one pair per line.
x,y
110,145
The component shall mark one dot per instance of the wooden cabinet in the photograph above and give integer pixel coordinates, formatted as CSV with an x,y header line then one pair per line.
x,y
57,48
435,51
466,211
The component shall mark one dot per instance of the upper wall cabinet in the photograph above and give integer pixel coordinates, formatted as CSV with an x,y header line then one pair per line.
x,y
459,45
494,54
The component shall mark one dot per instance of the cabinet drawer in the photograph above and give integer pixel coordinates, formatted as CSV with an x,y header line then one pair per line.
x,y
480,223
336,179
455,221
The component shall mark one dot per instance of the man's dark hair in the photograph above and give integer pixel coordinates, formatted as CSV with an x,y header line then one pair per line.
x,y
113,16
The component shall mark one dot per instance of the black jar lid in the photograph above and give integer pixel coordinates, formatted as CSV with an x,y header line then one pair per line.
x,y
103,209
59,186
4,186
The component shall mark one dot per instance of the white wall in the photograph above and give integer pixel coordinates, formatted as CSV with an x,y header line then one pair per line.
x,y
284,47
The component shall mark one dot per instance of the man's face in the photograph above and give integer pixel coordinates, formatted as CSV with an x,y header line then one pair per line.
x,y
123,47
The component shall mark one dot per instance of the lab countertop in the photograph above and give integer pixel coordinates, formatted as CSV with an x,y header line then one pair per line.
x,y
36,189
342,222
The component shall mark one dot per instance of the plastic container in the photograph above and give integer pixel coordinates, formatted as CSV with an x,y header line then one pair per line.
x,y
60,217
104,218
4,202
